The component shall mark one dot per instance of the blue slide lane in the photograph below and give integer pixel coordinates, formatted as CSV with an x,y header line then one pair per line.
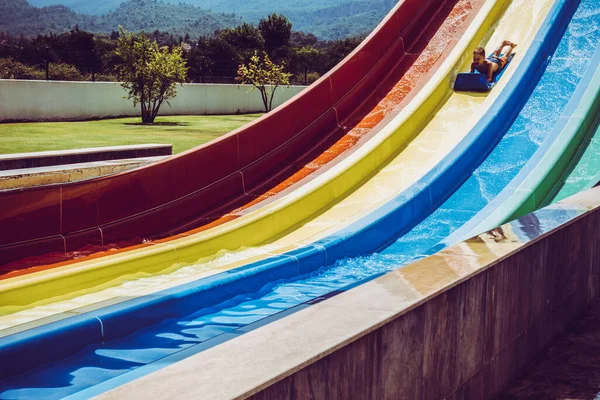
x,y
560,120
559,91
98,363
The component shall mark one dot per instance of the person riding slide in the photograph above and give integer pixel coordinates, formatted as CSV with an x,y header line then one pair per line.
x,y
495,62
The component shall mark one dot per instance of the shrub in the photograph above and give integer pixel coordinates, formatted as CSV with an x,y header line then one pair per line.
x,y
65,72
11,69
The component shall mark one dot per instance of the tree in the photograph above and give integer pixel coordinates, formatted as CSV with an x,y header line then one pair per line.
x,y
245,39
338,49
199,61
300,39
224,58
149,73
304,58
265,76
277,31
106,51
81,51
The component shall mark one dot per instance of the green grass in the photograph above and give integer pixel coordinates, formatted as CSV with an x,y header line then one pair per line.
x,y
183,132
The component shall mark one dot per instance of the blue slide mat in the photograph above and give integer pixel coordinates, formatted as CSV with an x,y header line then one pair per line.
x,y
476,81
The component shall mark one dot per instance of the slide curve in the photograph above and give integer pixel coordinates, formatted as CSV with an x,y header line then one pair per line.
x,y
262,224
207,183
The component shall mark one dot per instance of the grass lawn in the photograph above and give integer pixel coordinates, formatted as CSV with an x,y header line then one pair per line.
x,y
183,132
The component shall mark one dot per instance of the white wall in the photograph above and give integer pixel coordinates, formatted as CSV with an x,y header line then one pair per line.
x,y
23,100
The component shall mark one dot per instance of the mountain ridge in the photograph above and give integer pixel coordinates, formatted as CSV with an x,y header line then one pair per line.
x,y
333,19
18,17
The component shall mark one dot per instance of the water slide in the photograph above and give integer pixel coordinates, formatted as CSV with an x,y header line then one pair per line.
x,y
264,223
132,361
218,182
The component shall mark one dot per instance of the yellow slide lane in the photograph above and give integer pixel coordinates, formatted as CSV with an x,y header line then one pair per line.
x,y
434,135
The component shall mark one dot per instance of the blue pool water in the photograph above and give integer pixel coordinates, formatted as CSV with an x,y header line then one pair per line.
x,y
97,364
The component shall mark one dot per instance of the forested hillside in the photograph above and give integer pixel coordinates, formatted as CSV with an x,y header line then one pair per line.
x,y
81,55
18,17
327,19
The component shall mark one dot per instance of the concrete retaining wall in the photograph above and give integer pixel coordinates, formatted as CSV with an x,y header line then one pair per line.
x,y
74,156
32,177
471,340
22,100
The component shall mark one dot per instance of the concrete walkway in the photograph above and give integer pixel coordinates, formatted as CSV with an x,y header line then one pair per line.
x,y
569,368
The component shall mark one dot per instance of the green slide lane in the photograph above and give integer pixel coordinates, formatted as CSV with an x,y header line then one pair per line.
x,y
585,173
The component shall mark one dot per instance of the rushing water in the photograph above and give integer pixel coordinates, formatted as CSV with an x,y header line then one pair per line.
x,y
97,364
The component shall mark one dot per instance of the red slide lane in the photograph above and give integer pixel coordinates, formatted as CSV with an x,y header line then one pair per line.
x,y
232,170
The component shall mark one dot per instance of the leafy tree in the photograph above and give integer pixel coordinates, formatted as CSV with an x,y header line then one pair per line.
x,y
106,52
44,48
277,31
200,61
149,73
265,76
245,39
312,77
300,39
304,58
224,58
339,49
65,72
81,51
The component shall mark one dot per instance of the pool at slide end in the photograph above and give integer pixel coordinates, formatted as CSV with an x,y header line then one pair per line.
x,y
567,84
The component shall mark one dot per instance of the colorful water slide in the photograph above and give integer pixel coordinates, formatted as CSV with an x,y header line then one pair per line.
x,y
173,336
251,164
67,282
515,17
274,219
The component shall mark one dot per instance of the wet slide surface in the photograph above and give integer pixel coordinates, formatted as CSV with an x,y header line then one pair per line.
x,y
198,326
240,169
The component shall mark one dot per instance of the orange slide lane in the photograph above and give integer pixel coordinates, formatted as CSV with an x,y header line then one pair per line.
x,y
423,60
